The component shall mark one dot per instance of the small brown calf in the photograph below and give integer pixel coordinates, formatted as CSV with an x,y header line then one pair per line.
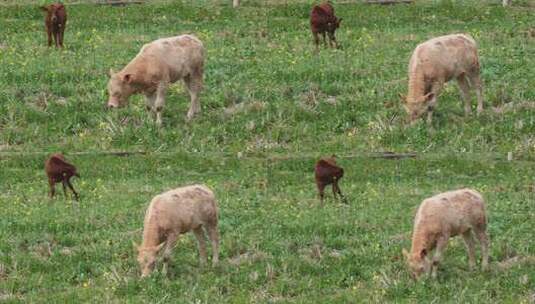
x,y
55,20
59,170
327,172
323,20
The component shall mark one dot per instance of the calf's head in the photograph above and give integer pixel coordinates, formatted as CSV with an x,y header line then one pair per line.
x,y
418,263
147,258
75,173
120,87
417,107
53,10
333,26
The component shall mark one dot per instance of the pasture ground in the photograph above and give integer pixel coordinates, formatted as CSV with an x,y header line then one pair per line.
x,y
269,99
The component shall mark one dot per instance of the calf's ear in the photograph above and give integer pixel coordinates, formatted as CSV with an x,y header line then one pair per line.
x,y
402,97
111,72
44,8
429,96
128,78
406,108
159,247
423,253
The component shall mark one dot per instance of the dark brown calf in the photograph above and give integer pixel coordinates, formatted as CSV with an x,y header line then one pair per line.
x,y
323,20
59,170
327,172
55,20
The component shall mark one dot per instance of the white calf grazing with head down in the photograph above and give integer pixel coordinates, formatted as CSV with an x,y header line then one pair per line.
x,y
175,212
158,64
440,217
437,61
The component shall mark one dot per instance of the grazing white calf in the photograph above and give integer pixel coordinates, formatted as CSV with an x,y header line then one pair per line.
x,y
175,212
156,66
434,63
440,217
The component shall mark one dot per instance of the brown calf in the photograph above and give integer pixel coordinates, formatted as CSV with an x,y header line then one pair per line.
x,y
59,170
327,172
323,20
55,19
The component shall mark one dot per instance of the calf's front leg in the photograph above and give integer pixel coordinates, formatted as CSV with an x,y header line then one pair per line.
x,y
316,41
64,183
169,244
49,34
321,191
332,40
52,188
441,246
61,34
150,100
431,103
57,39
335,184
76,196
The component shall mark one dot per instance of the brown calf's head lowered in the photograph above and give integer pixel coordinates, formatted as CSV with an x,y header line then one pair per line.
x,y
327,172
59,170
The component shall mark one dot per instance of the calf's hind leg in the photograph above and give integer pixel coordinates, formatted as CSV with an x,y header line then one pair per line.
x,y
470,248
481,234
476,84
194,83
199,235
213,235
465,91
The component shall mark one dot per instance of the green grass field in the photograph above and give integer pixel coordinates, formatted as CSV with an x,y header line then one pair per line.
x,y
269,99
